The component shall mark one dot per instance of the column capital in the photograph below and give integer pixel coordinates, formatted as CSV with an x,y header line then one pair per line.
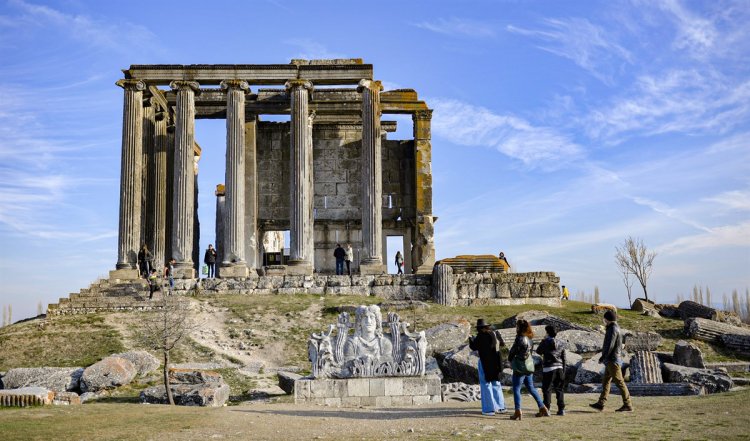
x,y
292,84
181,84
235,84
373,85
422,115
131,84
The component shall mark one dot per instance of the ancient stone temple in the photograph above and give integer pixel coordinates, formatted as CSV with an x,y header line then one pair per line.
x,y
329,175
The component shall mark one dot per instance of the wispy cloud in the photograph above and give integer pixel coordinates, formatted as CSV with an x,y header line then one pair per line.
x,y
467,124
456,26
312,50
688,101
589,46
725,236
96,33
738,200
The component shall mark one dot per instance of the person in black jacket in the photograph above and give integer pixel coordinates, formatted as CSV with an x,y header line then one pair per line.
x,y
520,352
210,260
340,255
611,358
552,351
490,366
145,259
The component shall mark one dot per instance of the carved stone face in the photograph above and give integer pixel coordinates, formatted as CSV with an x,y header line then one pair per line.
x,y
369,322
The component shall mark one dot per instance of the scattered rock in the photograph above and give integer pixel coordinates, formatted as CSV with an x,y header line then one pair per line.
x,y
712,381
534,317
582,341
590,371
93,396
193,376
109,373
642,341
432,367
286,381
26,396
687,354
66,399
447,336
459,365
460,392
206,395
57,379
643,305
669,311
601,308
143,361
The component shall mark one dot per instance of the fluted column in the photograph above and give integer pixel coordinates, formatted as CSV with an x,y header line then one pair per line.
x,y
147,198
234,264
184,179
130,178
372,179
423,250
159,203
301,219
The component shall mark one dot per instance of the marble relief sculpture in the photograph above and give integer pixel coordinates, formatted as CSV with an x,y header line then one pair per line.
x,y
369,351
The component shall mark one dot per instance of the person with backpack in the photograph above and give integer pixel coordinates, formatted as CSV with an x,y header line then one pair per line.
x,y
523,369
487,343
553,354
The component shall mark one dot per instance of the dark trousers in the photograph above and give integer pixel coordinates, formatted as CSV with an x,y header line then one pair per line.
x,y
211,270
554,381
349,267
339,267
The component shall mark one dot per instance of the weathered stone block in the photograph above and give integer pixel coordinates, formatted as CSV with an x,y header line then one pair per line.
x,y
358,387
108,373
401,400
26,396
394,386
377,386
143,361
52,378
383,401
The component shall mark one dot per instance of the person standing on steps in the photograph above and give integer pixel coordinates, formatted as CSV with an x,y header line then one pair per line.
x,y
145,259
612,360
340,255
523,369
210,260
552,351
490,367
399,262
349,258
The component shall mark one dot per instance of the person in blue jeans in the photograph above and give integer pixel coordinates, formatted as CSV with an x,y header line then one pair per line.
x,y
487,343
340,255
519,353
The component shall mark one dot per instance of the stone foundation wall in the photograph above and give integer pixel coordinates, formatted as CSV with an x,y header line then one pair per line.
x,y
377,392
506,288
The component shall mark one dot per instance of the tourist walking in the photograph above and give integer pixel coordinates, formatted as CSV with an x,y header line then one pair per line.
x,y
153,283
523,369
611,358
210,260
487,342
399,262
169,273
349,258
340,255
553,354
145,259
565,293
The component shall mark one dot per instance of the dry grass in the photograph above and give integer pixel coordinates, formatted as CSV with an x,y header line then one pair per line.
x,y
724,416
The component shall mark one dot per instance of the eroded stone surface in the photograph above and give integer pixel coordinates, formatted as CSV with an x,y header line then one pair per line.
x,y
109,373
687,354
143,361
58,379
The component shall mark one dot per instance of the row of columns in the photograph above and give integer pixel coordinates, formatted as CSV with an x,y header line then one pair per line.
x,y
181,230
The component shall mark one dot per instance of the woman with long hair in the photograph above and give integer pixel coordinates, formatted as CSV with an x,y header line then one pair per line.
x,y
490,367
523,369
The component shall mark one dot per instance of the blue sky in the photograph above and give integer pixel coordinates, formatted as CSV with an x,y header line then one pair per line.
x,y
559,129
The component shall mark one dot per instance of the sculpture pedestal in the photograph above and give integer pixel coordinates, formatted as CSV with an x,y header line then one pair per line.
x,y
371,392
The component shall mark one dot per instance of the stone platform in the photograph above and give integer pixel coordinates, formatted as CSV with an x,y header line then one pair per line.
x,y
371,392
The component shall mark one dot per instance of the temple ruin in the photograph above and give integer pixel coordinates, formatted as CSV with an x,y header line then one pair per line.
x,y
330,175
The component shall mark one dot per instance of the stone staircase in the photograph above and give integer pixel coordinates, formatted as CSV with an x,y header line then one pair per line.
x,y
106,295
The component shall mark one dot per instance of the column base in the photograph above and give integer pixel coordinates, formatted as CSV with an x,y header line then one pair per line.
x,y
424,269
184,272
372,269
124,274
234,270
299,268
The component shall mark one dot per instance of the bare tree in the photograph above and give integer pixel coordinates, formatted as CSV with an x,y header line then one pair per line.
x,y
166,328
637,259
625,275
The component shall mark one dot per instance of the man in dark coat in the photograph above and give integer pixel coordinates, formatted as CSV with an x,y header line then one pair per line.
x,y
554,364
487,343
210,260
340,255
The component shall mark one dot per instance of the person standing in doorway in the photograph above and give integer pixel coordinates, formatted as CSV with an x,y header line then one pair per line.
x,y
399,262
210,260
340,255
349,258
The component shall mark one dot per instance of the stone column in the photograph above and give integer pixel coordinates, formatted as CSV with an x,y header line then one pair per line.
x,y
423,253
130,180
301,190
221,217
184,179
372,180
159,203
252,241
233,263
147,186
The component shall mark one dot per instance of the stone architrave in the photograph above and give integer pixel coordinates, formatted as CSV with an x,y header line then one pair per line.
x,y
423,250
130,180
372,179
301,220
183,216
234,264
